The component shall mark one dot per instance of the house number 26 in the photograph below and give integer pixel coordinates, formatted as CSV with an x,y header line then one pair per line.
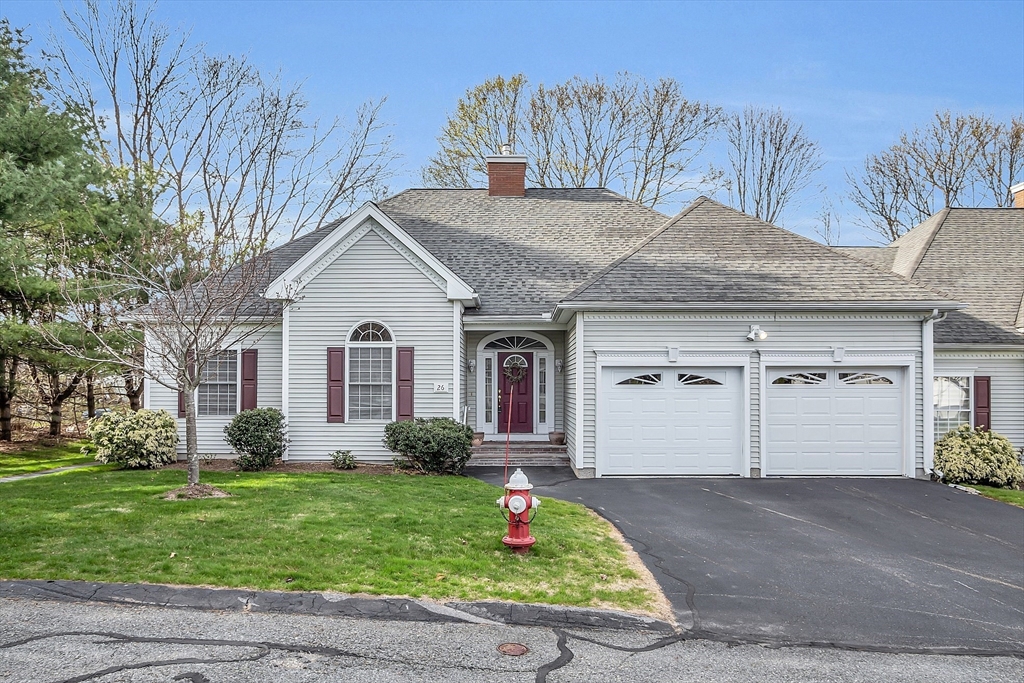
x,y
440,387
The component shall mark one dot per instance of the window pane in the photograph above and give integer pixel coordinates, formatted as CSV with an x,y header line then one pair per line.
x,y
217,399
370,387
488,388
542,389
218,391
952,403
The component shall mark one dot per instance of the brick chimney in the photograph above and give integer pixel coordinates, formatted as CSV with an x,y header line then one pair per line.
x,y
506,174
1016,190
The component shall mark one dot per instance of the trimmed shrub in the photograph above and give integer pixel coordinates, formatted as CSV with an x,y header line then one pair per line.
x,y
133,440
258,437
437,445
343,460
975,456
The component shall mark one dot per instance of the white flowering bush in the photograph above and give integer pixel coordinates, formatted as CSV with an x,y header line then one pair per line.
x,y
975,456
144,439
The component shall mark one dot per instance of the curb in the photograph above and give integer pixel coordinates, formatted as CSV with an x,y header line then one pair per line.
x,y
329,604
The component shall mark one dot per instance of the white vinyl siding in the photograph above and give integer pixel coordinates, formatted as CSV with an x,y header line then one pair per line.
x,y
210,429
1006,368
725,333
373,280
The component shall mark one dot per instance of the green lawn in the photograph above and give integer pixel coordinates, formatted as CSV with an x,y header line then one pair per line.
x,y
1011,496
42,459
436,537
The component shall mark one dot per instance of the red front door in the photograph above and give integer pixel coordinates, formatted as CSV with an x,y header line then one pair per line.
x,y
521,392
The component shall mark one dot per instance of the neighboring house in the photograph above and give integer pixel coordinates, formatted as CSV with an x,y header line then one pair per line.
x,y
977,257
707,343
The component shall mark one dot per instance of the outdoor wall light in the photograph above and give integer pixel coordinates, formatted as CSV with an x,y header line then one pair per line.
x,y
472,366
756,333
558,365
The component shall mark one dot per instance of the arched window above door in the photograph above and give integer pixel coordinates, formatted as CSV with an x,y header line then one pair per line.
x,y
514,343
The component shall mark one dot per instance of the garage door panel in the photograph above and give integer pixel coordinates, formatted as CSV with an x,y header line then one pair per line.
x,y
678,428
815,405
815,433
844,421
784,405
850,405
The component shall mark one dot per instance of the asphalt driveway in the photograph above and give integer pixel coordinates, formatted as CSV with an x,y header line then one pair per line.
x,y
878,562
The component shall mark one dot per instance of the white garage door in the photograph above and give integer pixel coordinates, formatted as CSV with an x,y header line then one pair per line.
x,y
671,421
846,421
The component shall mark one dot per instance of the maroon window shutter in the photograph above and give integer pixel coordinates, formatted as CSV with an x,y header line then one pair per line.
x,y
983,402
405,386
336,384
190,371
249,375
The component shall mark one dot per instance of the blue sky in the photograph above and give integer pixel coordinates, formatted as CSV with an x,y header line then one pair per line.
x,y
855,74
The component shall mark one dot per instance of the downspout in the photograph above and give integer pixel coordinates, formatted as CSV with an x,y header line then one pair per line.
x,y
927,382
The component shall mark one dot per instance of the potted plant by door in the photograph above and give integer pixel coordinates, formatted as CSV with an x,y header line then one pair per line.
x,y
478,438
556,438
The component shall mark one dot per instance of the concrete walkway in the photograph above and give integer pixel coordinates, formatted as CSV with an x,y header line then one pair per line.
x,y
30,475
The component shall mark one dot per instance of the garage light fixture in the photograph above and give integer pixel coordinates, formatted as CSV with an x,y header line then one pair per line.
x,y
472,366
756,333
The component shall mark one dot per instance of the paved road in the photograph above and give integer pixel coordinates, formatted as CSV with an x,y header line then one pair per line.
x,y
59,642
885,562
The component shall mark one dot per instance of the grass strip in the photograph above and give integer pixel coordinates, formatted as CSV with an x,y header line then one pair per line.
x,y
430,537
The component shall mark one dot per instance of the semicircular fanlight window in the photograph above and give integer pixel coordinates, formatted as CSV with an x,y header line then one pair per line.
x,y
370,332
515,343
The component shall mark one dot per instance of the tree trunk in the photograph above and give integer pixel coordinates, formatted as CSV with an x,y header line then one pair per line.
x,y
133,389
7,391
57,401
56,416
90,396
191,439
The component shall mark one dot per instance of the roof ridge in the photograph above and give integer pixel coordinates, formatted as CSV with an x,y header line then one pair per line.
x,y
639,245
931,238
836,251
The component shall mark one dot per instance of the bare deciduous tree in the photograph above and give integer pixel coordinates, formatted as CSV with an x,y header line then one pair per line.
x,y
829,227
1002,161
956,160
213,159
630,135
771,160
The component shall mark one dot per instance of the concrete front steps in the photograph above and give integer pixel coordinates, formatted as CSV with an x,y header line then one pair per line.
x,y
521,454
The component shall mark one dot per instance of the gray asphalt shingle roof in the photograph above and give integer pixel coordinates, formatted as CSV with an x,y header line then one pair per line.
x,y
977,256
712,253
522,254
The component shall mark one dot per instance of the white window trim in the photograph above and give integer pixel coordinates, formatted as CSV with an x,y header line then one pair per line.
x,y
237,348
348,366
548,353
969,374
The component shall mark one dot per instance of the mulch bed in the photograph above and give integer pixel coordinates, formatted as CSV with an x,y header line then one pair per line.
x,y
196,491
226,465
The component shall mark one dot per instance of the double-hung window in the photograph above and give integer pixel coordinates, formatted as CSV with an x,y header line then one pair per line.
x,y
952,396
218,385
371,353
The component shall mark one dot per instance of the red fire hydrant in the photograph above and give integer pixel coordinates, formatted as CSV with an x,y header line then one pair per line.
x,y
518,501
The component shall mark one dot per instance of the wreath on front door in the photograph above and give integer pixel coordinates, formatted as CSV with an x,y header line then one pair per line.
x,y
515,369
